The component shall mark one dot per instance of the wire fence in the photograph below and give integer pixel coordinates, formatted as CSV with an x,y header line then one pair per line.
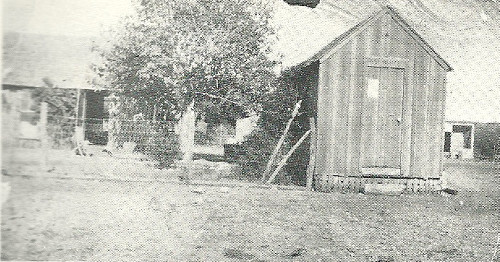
x,y
144,133
154,137
61,130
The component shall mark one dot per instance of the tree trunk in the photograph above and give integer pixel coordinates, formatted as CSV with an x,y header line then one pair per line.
x,y
186,134
113,123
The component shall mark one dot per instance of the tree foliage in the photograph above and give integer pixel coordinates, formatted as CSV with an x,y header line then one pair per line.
x,y
486,140
171,52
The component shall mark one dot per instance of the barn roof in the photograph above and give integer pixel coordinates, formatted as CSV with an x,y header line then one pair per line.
x,y
466,33
34,59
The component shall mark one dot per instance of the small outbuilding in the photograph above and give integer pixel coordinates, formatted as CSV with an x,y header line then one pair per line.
x,y
459,140
380,91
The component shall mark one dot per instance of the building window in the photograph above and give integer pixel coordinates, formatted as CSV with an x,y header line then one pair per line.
x,y
373,86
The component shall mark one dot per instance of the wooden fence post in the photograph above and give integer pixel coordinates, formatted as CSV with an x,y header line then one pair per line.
x,y
84,112
283,161
280,142
12,136
16,118
77,108
43,135
312,154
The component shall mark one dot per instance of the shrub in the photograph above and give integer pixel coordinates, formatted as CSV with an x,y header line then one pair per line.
x,y
162,145
257,149
155,139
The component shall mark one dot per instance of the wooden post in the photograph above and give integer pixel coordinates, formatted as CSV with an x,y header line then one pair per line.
x,y
77,106
16,117
280,142
84,113
79,135
283,161
312,154
43,135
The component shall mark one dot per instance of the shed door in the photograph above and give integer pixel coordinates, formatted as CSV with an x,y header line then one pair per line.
x,y
381,122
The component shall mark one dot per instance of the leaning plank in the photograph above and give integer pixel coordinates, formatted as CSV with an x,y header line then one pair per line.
x,y
280,142
283,161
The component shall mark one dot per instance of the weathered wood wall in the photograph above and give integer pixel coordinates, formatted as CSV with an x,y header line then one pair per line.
x,y
342,102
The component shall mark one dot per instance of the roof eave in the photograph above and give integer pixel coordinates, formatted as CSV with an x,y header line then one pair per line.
x,y
6,85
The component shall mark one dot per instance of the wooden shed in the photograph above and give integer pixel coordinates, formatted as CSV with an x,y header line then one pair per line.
x,y
380,107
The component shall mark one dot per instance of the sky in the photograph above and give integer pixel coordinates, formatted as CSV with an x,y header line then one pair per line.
x,y
473,93
63,17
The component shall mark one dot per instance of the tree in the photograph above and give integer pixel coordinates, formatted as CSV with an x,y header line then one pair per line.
x,y
173,52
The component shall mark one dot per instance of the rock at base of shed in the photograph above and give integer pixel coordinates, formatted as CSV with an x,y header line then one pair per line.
x,y
384,189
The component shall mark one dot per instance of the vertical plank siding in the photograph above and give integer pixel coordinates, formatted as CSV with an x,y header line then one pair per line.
x,y
386,30
425,125
433,127
406,132
442,104
370,119
355,106
345,144
324,118
419,117
376,38
365,138
335,152
345,102
351,107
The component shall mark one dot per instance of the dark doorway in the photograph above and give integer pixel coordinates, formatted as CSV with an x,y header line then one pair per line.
x,y
96,117
447,142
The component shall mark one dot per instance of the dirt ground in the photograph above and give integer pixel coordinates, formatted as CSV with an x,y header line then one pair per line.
x,y
57,217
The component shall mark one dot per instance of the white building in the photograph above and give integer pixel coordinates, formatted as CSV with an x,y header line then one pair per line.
x,y
459,140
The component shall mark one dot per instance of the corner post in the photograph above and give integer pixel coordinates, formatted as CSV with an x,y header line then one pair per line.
x,y
43,135
312,155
